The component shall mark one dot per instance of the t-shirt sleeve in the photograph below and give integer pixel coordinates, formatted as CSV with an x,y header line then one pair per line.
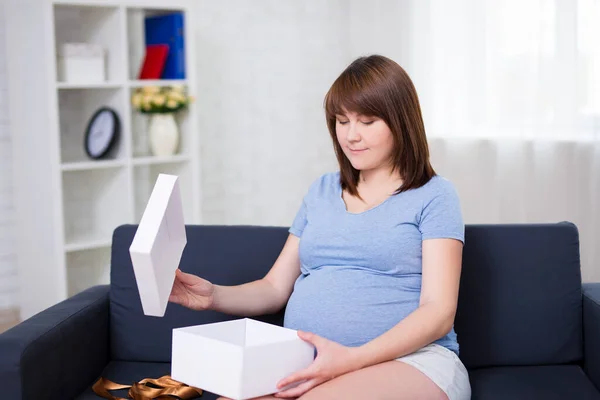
x,y
302,215
442,217
299,221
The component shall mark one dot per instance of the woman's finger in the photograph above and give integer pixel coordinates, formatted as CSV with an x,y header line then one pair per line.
x,y
175,298
178,287
185,278
302,375
299,390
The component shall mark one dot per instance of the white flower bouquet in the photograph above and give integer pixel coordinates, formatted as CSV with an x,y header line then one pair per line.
x,y
160,100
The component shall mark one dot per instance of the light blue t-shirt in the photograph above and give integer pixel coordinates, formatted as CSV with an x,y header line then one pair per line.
x,y
361,272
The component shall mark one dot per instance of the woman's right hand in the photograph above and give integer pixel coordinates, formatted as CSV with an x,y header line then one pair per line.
x,y
192,291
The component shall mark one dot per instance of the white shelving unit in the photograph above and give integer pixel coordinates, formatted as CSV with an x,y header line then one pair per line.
x,y
67,204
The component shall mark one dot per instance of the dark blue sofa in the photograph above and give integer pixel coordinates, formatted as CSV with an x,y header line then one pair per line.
x,y
527,327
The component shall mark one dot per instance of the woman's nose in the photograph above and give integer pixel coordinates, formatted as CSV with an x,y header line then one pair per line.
x,y
353,134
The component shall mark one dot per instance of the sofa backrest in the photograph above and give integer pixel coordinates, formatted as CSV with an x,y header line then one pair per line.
x,y
520,299
222,254
519,302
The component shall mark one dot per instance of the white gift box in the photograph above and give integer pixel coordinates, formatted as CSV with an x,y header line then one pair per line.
x,y
158,244
81,63
239,359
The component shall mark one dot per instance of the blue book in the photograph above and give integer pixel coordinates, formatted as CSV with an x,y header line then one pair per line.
x,y
168,29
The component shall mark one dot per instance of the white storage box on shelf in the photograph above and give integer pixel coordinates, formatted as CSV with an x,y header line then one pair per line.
x,y
158,244
239,359
81,63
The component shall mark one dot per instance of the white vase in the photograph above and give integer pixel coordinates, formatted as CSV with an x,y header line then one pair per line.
x,y
163,134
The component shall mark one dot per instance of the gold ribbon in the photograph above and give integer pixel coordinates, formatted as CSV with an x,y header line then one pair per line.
x,y
148,389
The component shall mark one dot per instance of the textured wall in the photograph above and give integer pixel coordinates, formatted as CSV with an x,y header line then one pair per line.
x,y
8,258
264,68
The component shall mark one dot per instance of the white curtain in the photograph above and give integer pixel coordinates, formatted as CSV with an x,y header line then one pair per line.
x,y
510,92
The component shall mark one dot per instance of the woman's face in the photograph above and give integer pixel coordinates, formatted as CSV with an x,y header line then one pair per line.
x,y
366,141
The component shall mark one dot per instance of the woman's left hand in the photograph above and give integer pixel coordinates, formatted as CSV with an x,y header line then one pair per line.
x,y
333,360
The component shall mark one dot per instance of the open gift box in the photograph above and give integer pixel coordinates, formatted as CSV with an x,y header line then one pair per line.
x,y
239,359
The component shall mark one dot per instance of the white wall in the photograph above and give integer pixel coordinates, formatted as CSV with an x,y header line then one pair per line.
x,y
264,67
8,259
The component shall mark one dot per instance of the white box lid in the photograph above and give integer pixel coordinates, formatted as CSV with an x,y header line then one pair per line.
x,y
158,245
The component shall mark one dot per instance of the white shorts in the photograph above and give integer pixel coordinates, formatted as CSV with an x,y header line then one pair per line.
x,y
444,368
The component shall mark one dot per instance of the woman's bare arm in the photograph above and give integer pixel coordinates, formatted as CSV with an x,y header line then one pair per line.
x,y
263,296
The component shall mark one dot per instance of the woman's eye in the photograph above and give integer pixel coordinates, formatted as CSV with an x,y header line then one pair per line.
x,y
363,122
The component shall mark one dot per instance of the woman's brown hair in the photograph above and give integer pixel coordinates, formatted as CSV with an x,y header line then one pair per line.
x,y
377,86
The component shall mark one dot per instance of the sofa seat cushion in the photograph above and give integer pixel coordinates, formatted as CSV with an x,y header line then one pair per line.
x,y
127,372
559,382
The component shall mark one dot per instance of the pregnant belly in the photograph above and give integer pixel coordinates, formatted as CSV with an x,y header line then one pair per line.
x,y
350,306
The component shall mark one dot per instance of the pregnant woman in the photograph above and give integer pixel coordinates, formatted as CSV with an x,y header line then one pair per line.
x,y
371,267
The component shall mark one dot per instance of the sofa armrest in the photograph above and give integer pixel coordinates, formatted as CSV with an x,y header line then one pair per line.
x,y
591,331
58,352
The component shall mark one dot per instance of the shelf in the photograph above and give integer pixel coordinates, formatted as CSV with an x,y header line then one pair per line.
x,y
95,202
76,107
88,245
86,3
136,41
161,82
77,200
100,25
161,160
157,4
92,85
140,140
90,165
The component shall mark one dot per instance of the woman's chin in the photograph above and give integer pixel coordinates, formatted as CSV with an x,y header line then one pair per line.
x,y
366,166
360,165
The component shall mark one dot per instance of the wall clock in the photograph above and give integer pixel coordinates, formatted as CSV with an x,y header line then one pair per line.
x,y
102,132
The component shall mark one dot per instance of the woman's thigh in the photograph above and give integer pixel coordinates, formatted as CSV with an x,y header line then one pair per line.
x,y
256,398
392,380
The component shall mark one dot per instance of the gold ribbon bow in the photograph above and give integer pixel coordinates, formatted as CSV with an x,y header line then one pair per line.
x,y
148,389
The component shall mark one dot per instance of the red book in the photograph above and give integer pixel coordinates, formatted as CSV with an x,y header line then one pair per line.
x,y
154,61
